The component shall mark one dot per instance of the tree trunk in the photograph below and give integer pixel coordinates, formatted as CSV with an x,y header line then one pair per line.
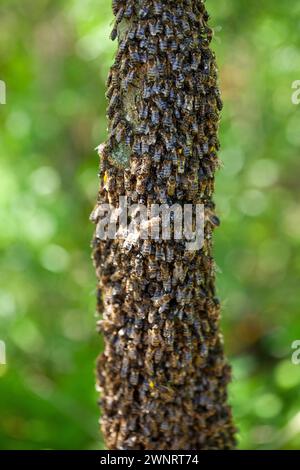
x,y
163,376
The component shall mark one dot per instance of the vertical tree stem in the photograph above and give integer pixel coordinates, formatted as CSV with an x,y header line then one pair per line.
x,y
163,376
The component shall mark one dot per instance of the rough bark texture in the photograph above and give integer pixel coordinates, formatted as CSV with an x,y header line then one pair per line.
x,y
163,376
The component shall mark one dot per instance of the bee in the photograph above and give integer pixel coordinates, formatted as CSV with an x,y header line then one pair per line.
x,y
166,16
185,27
140,32
187,357
158,355
156,89
214,220
153,72
153,27
137,148
196,60
219,101
169,253
179,271
162,195
171,185
157,154
131,34
136,335
163,45
193,182
152,267
143,128
163,303
189,103
138,266
173,46
129,79
134,377
167,285
149,365
132,351
154,336
186,151
144,146
134,55
114,100
179,100
206,327
176,63
169,332
160,103
151,48
146,248
181,165
168,140
157,8
169,31
166,169
128,137
159,254
203,350
167,119
115,6
179,80
128,10
205,146
147,91
114,33
125,367
152,315
143,111
143,11
119,132
155,118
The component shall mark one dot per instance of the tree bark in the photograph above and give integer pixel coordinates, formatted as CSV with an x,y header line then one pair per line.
x,y
163,376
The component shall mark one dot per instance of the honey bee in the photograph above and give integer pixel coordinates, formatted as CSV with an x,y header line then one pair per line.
x,y
155,117
157,7
128,80
168,31
138,266
158,355
181,165
146,247
163,44
144,146
169,332
157,154
180,80
152,268
152,315
140,31
154,336
141,184
134,377
160,103
149,363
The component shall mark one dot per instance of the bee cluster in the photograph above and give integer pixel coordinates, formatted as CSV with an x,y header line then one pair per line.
x,y
162,376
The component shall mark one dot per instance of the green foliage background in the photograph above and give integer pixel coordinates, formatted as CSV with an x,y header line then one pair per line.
x,y
54,59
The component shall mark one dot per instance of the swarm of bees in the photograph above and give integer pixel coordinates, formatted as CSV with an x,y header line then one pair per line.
x,y
163,375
